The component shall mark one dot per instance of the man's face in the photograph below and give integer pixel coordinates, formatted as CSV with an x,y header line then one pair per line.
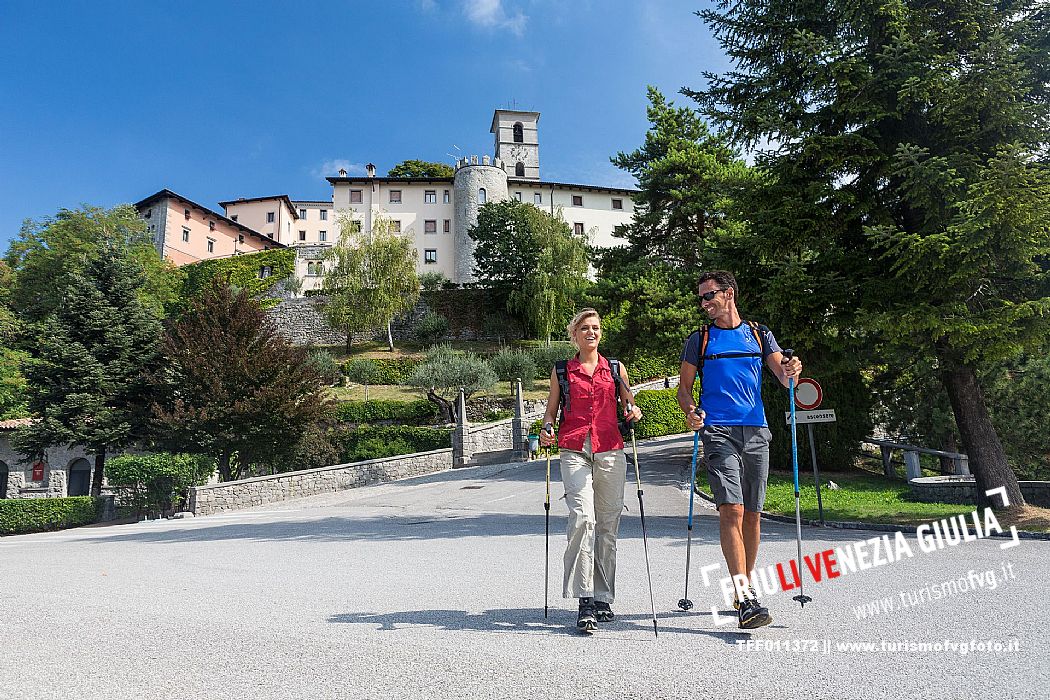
x,y
720,299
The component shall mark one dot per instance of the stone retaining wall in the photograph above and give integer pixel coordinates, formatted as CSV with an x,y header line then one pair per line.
x,y
257,491
963,490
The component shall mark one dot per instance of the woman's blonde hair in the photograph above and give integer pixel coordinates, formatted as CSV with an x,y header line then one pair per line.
x,y
577,321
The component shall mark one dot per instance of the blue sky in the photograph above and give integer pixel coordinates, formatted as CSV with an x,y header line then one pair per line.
x,y
107,102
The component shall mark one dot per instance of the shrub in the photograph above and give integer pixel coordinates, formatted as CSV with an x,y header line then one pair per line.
x,y
161,481
431,281
661,414
431,328
643,368
413,412
510,364
544,357
22,515
375,441
445,371
325,365
380,371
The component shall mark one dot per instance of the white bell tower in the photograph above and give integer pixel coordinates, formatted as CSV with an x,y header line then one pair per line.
x,y
518,142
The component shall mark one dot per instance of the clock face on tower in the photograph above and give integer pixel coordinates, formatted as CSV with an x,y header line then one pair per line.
x,y
519,153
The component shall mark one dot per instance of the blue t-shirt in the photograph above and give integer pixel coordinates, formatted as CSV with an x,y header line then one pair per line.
x,y
731,387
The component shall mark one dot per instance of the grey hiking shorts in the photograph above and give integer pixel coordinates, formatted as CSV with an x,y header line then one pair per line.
x,y
737,458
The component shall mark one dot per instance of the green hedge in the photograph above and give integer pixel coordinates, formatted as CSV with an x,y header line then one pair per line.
x,y
390,370
413,412
243,272
22,515
160,481
375,441
661,414
643,368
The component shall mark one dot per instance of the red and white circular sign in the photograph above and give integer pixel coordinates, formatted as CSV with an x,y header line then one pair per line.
x,y
808,394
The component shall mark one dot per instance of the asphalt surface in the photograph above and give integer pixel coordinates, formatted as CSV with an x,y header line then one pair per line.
x,y
433,588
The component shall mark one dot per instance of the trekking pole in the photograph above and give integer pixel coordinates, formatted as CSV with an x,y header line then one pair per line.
x,y
641,515
547,536
686,604
801,597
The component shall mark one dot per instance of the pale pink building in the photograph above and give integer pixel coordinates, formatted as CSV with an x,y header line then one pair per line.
x,y
186,232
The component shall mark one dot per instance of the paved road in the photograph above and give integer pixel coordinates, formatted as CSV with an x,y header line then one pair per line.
x,y
433,588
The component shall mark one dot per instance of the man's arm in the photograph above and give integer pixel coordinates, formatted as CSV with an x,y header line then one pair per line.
x,y
782,368
686,378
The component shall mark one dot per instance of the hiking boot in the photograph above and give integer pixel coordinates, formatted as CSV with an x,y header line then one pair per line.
x,y
736,601
753,615
586,620
603,612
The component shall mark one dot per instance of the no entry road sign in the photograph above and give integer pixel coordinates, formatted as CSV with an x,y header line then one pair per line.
x,y
808,394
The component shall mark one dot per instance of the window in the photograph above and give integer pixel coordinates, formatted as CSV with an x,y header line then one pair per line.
x,y
186,213
269,217
265,271
149,213
211,225
211,245
519,133
355,196
482,198
519,169
430,226
446,197
302,213
448,226
577,228
430,256
517,196
233,218
355,227
577,200
617,204
537,198
302,235
323,214
395,196
185,235
430,197
395,226
314,268
240,238
322,236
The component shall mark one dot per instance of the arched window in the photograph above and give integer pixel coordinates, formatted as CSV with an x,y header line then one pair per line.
x,y
519,169
482,197
519,133
79,483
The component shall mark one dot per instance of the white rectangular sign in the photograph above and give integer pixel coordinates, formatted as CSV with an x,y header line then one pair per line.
x,y
822,415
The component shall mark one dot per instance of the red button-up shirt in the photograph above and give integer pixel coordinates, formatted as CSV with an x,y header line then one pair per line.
x,y
592,409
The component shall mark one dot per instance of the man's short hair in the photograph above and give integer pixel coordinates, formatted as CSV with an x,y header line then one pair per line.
x,y
722,278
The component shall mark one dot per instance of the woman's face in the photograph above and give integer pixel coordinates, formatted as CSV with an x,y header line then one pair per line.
x,y
588,333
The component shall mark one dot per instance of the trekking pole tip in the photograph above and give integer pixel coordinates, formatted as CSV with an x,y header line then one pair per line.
x,y
685,604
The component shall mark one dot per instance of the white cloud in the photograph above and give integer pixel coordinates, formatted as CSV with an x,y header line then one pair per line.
x,y
428,5
490,14
331,168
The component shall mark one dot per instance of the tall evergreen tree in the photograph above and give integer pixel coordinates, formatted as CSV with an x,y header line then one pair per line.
x,y
908,147
232,386
87,381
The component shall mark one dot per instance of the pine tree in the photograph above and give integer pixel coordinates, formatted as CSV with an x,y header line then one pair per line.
x,y
232,386
88,378
908,145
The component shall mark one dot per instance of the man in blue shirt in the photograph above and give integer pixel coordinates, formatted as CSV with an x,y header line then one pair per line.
x,y
729,355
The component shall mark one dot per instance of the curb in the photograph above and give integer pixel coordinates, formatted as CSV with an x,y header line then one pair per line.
x,y
875,527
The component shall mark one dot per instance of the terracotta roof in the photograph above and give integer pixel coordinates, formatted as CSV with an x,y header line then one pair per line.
x,y
13,423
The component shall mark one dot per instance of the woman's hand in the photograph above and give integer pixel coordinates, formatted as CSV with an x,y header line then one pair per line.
x,y
635,414
547,435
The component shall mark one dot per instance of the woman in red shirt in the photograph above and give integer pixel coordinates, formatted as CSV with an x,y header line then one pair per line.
x,y
593,469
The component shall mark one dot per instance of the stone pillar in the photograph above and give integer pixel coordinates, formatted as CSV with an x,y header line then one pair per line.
x,y
912,470
520,426
462,444
962,465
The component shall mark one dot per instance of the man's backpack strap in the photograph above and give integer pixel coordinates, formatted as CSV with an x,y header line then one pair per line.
x,y
759,332
704,332
561,372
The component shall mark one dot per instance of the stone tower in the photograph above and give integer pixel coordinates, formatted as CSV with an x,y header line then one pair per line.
x,y
474,184
518,142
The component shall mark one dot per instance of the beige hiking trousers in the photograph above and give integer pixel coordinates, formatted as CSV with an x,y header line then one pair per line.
x,y
594,495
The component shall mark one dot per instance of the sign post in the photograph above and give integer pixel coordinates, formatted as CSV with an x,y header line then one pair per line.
x,y
808,396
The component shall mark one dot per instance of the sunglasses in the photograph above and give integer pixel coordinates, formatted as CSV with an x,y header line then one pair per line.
x,y
708,296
